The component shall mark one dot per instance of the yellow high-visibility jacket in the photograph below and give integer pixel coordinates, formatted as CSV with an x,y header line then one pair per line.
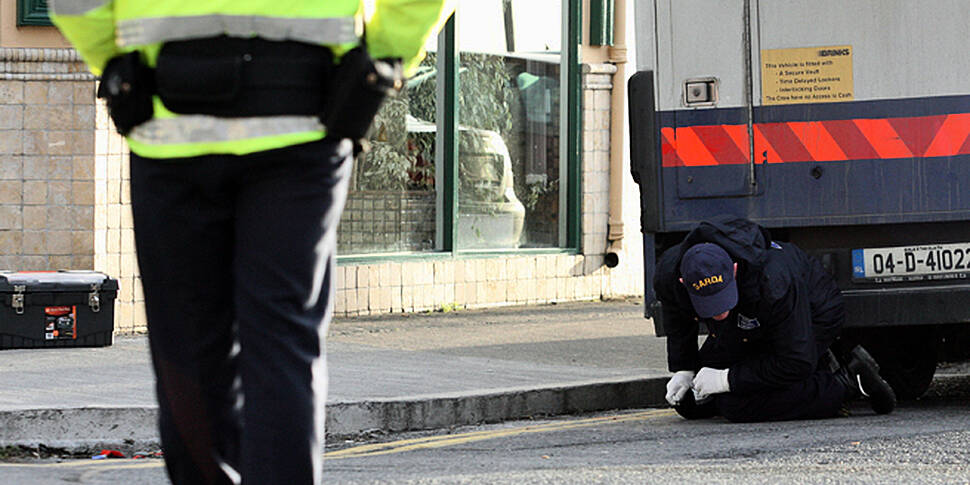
x,y
102,29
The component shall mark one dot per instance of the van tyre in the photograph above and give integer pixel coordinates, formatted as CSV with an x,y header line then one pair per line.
x,y
907,358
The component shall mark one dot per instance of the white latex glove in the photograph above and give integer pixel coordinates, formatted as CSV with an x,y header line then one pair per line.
x,y
678,385
701,399
711,381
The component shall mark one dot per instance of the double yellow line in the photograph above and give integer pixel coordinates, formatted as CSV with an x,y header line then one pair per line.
x,y
443,441
377,449
90,467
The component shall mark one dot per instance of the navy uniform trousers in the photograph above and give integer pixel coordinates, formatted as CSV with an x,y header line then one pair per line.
x,y
237,263
821,395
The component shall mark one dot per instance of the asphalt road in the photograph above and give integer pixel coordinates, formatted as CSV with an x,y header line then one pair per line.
x,y
922,442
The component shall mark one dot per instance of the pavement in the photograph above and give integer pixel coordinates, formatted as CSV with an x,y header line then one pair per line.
x,y
387,374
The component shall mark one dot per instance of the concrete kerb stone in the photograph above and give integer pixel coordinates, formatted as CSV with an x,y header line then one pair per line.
x,y
81,429
444,411
111,427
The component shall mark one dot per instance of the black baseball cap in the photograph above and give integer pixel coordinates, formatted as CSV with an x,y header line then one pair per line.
x,y
708,274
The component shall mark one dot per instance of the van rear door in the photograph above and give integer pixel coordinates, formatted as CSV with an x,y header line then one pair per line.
x,y
704,99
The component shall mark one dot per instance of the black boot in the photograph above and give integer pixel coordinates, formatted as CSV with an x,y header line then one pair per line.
x,y
691,409
861,378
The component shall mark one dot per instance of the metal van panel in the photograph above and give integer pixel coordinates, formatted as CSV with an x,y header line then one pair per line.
x,y
910,70
717,181
696,39
862,192
900,48
645,27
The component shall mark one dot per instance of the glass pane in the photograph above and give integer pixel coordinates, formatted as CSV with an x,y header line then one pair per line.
x,y
391,206
508,193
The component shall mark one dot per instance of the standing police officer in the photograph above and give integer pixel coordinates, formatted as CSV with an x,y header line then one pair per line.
x,y
242,118
772,313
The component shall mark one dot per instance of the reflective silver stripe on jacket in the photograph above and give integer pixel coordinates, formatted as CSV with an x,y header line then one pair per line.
x,y
315,31
75,7
203,129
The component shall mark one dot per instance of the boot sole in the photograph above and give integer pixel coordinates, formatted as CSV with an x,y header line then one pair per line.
x,y
882,398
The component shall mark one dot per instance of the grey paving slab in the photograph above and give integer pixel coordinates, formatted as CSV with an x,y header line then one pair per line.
x,y
121,375
118,375
630,352
364,372
389,373
404,355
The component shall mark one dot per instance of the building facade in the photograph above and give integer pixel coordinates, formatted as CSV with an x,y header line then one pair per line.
x,y
499,178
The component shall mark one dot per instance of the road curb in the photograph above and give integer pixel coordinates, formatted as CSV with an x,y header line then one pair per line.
x,y
445,411
82,429
89,428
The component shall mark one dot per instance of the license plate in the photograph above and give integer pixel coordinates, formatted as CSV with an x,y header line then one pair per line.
x,y
910,263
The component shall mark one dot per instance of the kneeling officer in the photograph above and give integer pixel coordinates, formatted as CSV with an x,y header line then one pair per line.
x,y
242,117
772,312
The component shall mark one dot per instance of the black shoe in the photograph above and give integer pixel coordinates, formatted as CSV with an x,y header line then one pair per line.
x,y
861,379
691,409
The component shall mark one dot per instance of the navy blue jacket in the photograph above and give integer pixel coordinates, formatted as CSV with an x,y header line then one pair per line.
x,y
789,310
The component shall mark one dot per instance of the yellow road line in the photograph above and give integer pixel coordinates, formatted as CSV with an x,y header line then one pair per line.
x,y
401,446
141,465
111,464
381,446
442,441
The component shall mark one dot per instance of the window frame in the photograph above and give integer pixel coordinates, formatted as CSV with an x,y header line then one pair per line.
x,y
32,13
446,153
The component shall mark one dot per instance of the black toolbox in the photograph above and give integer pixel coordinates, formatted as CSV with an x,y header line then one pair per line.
x,y
56,309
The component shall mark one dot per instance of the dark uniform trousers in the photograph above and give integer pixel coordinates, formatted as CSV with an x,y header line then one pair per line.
x,y
237,259
819,396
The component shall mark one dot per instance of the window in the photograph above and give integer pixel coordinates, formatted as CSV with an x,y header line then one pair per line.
x,y
509,128
32,12
393,203
475,156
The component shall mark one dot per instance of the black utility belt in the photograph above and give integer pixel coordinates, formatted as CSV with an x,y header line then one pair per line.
x,y
235,78
232,77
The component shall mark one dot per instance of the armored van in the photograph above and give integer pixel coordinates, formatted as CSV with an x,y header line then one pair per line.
x,y
841,125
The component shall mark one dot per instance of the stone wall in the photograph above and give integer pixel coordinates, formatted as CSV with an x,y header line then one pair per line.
x,y
46,161
62,191
114,236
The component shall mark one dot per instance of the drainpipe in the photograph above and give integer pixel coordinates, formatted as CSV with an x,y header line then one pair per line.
x,y
618,102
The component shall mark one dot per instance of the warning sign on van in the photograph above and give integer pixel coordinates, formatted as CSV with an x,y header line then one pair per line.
x,y
806,75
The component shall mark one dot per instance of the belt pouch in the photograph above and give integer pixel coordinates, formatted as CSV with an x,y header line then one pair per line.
x,y
234,77
127,86
198,85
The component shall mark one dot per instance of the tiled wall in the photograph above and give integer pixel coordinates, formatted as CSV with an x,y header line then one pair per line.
x,y
597,86
387,221
396,287
46,161
63,188
114,236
